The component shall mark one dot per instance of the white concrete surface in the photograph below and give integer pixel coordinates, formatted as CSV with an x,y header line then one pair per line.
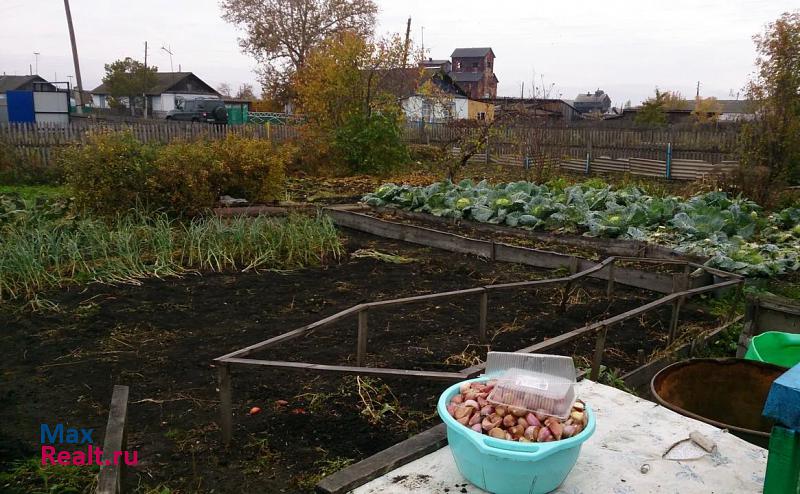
x,y
631,432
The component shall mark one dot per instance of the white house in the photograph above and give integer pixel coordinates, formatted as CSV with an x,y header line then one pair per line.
x,y
453,105
170,90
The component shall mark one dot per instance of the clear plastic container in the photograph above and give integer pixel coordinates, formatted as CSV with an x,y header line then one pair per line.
x,y
542,384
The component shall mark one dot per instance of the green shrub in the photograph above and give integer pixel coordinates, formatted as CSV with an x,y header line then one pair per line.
x,y
252,168
425,153
187,177
109,172
114,172
371,144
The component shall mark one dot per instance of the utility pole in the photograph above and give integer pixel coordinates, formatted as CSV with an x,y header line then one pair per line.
x,y
408,41
698,90
169,50
79,99
144,94
422,30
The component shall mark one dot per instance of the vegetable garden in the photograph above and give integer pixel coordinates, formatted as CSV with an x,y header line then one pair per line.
x,y
734,233
91,302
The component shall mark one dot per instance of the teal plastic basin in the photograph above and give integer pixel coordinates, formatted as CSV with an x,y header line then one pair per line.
x,y
509,467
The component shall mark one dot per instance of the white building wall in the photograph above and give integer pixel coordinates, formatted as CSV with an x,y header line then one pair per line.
x,y
418,108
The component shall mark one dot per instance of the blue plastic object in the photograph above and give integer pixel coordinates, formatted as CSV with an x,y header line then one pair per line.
x,y
509,467
783,400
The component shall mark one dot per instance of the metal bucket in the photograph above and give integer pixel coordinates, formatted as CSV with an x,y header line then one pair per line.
x,y
726,393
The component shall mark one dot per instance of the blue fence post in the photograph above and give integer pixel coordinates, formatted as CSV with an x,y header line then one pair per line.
x,y
669,160
588,169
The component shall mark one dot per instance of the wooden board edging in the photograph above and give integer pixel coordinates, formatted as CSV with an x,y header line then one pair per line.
x,y
608,246
385,461
109,480
351,218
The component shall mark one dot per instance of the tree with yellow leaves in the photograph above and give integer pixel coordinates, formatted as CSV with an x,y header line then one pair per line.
x,y
706,110
349,94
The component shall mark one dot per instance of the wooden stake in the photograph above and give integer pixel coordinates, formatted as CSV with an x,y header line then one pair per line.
x,y
599,348
673,324
225,404
484,308
361,350
610,286
573,268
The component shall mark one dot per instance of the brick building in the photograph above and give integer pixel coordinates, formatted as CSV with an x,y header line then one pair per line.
x,y
473,70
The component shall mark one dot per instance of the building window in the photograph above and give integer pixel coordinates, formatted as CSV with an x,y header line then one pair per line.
x,y
481,115
458,65
474,66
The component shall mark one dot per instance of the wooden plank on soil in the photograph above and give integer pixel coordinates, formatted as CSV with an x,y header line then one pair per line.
x,y
656,282
387,460
109,480
417,235
422,298
343,369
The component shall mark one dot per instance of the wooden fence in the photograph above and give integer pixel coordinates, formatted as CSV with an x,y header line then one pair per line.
x,y
675,154
664,153
38,142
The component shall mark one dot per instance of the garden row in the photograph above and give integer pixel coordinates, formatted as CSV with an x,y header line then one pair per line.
x,y
734,233
48,244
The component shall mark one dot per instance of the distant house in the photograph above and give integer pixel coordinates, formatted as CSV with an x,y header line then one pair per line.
x,y
455,105
24,83
599,102
731,110
443,64
473,70
30,98
171,89
538,109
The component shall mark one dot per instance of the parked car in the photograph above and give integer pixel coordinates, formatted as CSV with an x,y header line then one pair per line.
x,y
201,110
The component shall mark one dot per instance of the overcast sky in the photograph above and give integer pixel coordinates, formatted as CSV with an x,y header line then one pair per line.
x,y
626,47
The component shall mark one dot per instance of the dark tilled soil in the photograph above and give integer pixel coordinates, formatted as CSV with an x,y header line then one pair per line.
x,y
160,338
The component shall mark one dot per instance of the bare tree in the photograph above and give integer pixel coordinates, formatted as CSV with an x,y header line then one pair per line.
x,y
224,89
246,92
281,33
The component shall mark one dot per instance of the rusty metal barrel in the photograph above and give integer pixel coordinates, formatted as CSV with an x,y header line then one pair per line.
x,y
726,393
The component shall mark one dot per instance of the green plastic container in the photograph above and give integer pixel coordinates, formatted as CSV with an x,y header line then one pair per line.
x,y
776,348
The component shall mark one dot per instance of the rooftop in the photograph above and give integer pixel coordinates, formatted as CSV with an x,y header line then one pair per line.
x,y
14,82
471,52
164,81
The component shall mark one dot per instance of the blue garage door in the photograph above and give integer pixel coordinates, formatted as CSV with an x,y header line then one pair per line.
x,y
20,106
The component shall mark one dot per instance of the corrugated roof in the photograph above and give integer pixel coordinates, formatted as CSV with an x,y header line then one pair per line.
x,y
591,98
726,105
14,82
165,80
471,52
